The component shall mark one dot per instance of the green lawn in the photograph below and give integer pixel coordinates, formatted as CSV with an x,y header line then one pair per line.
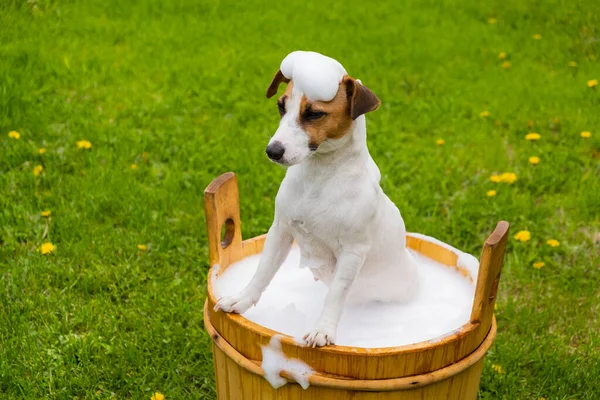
x,y
177,88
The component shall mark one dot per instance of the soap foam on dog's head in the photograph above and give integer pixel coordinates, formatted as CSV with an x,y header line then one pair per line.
x,y
316,75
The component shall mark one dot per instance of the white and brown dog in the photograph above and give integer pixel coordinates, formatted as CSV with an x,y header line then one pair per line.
x,y
349,232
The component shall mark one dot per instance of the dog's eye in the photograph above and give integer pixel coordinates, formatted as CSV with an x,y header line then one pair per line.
x,y
281,106
314,115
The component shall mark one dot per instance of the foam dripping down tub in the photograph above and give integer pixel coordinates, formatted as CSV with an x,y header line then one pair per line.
x,y
258,355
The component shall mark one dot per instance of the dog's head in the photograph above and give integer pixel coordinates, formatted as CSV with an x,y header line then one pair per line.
x,y
320,102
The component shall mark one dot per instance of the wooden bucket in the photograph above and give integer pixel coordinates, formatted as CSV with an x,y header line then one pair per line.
x,y
449,368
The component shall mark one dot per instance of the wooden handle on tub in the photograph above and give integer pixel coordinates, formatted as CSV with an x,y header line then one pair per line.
x,y
221,205
490,266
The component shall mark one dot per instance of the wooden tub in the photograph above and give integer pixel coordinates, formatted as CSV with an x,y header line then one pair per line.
x,y
449,368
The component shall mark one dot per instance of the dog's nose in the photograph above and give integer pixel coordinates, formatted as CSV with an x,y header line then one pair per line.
x,y
275,151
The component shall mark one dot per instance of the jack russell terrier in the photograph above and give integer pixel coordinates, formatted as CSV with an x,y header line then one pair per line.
x,y
349,232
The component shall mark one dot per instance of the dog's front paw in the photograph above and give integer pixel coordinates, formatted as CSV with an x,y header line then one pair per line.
x,y
238,303
319,338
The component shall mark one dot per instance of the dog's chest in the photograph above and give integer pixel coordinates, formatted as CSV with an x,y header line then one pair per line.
x,y
309,213
309,209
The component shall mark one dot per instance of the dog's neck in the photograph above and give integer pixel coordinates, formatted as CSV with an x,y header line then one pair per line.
x,y
336,156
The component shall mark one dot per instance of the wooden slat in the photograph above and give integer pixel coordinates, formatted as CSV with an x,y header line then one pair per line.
x,y
490,267
221,206
463,386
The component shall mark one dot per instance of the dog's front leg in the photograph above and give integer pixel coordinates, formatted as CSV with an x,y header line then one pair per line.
x,y
347,267
276,249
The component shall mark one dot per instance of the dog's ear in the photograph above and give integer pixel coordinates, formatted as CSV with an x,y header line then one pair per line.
x,y
277,79
361,99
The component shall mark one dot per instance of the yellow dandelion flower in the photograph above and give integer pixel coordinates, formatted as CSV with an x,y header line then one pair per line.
x,y
14,135
572,64
47,248
142,247
46,213
134,166
508,177
440,142
84,144
484,114
502,55
42,150
533,136
495,306
495,178
538,264
537,36
157,396
497,368
523,236
37,170
534,160
586,134
506,64
491,193
553,243
592,82
492,21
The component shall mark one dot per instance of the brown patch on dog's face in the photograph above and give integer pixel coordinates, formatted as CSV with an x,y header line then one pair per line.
x,y
325,120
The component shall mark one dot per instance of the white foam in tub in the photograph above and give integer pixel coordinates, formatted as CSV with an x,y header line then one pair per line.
x,y
292,302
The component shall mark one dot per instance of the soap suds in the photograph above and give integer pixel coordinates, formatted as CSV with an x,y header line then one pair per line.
x,y
316,75
274,362
293,301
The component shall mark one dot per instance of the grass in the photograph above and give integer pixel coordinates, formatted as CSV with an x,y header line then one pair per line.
x,y
177,88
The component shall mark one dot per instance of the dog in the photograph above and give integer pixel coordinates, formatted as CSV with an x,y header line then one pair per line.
x,y
350,234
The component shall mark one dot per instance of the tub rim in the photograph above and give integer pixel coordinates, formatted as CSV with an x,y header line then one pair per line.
x,y
365,385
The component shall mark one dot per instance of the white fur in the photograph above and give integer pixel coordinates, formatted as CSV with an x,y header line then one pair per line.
x,y
350,234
